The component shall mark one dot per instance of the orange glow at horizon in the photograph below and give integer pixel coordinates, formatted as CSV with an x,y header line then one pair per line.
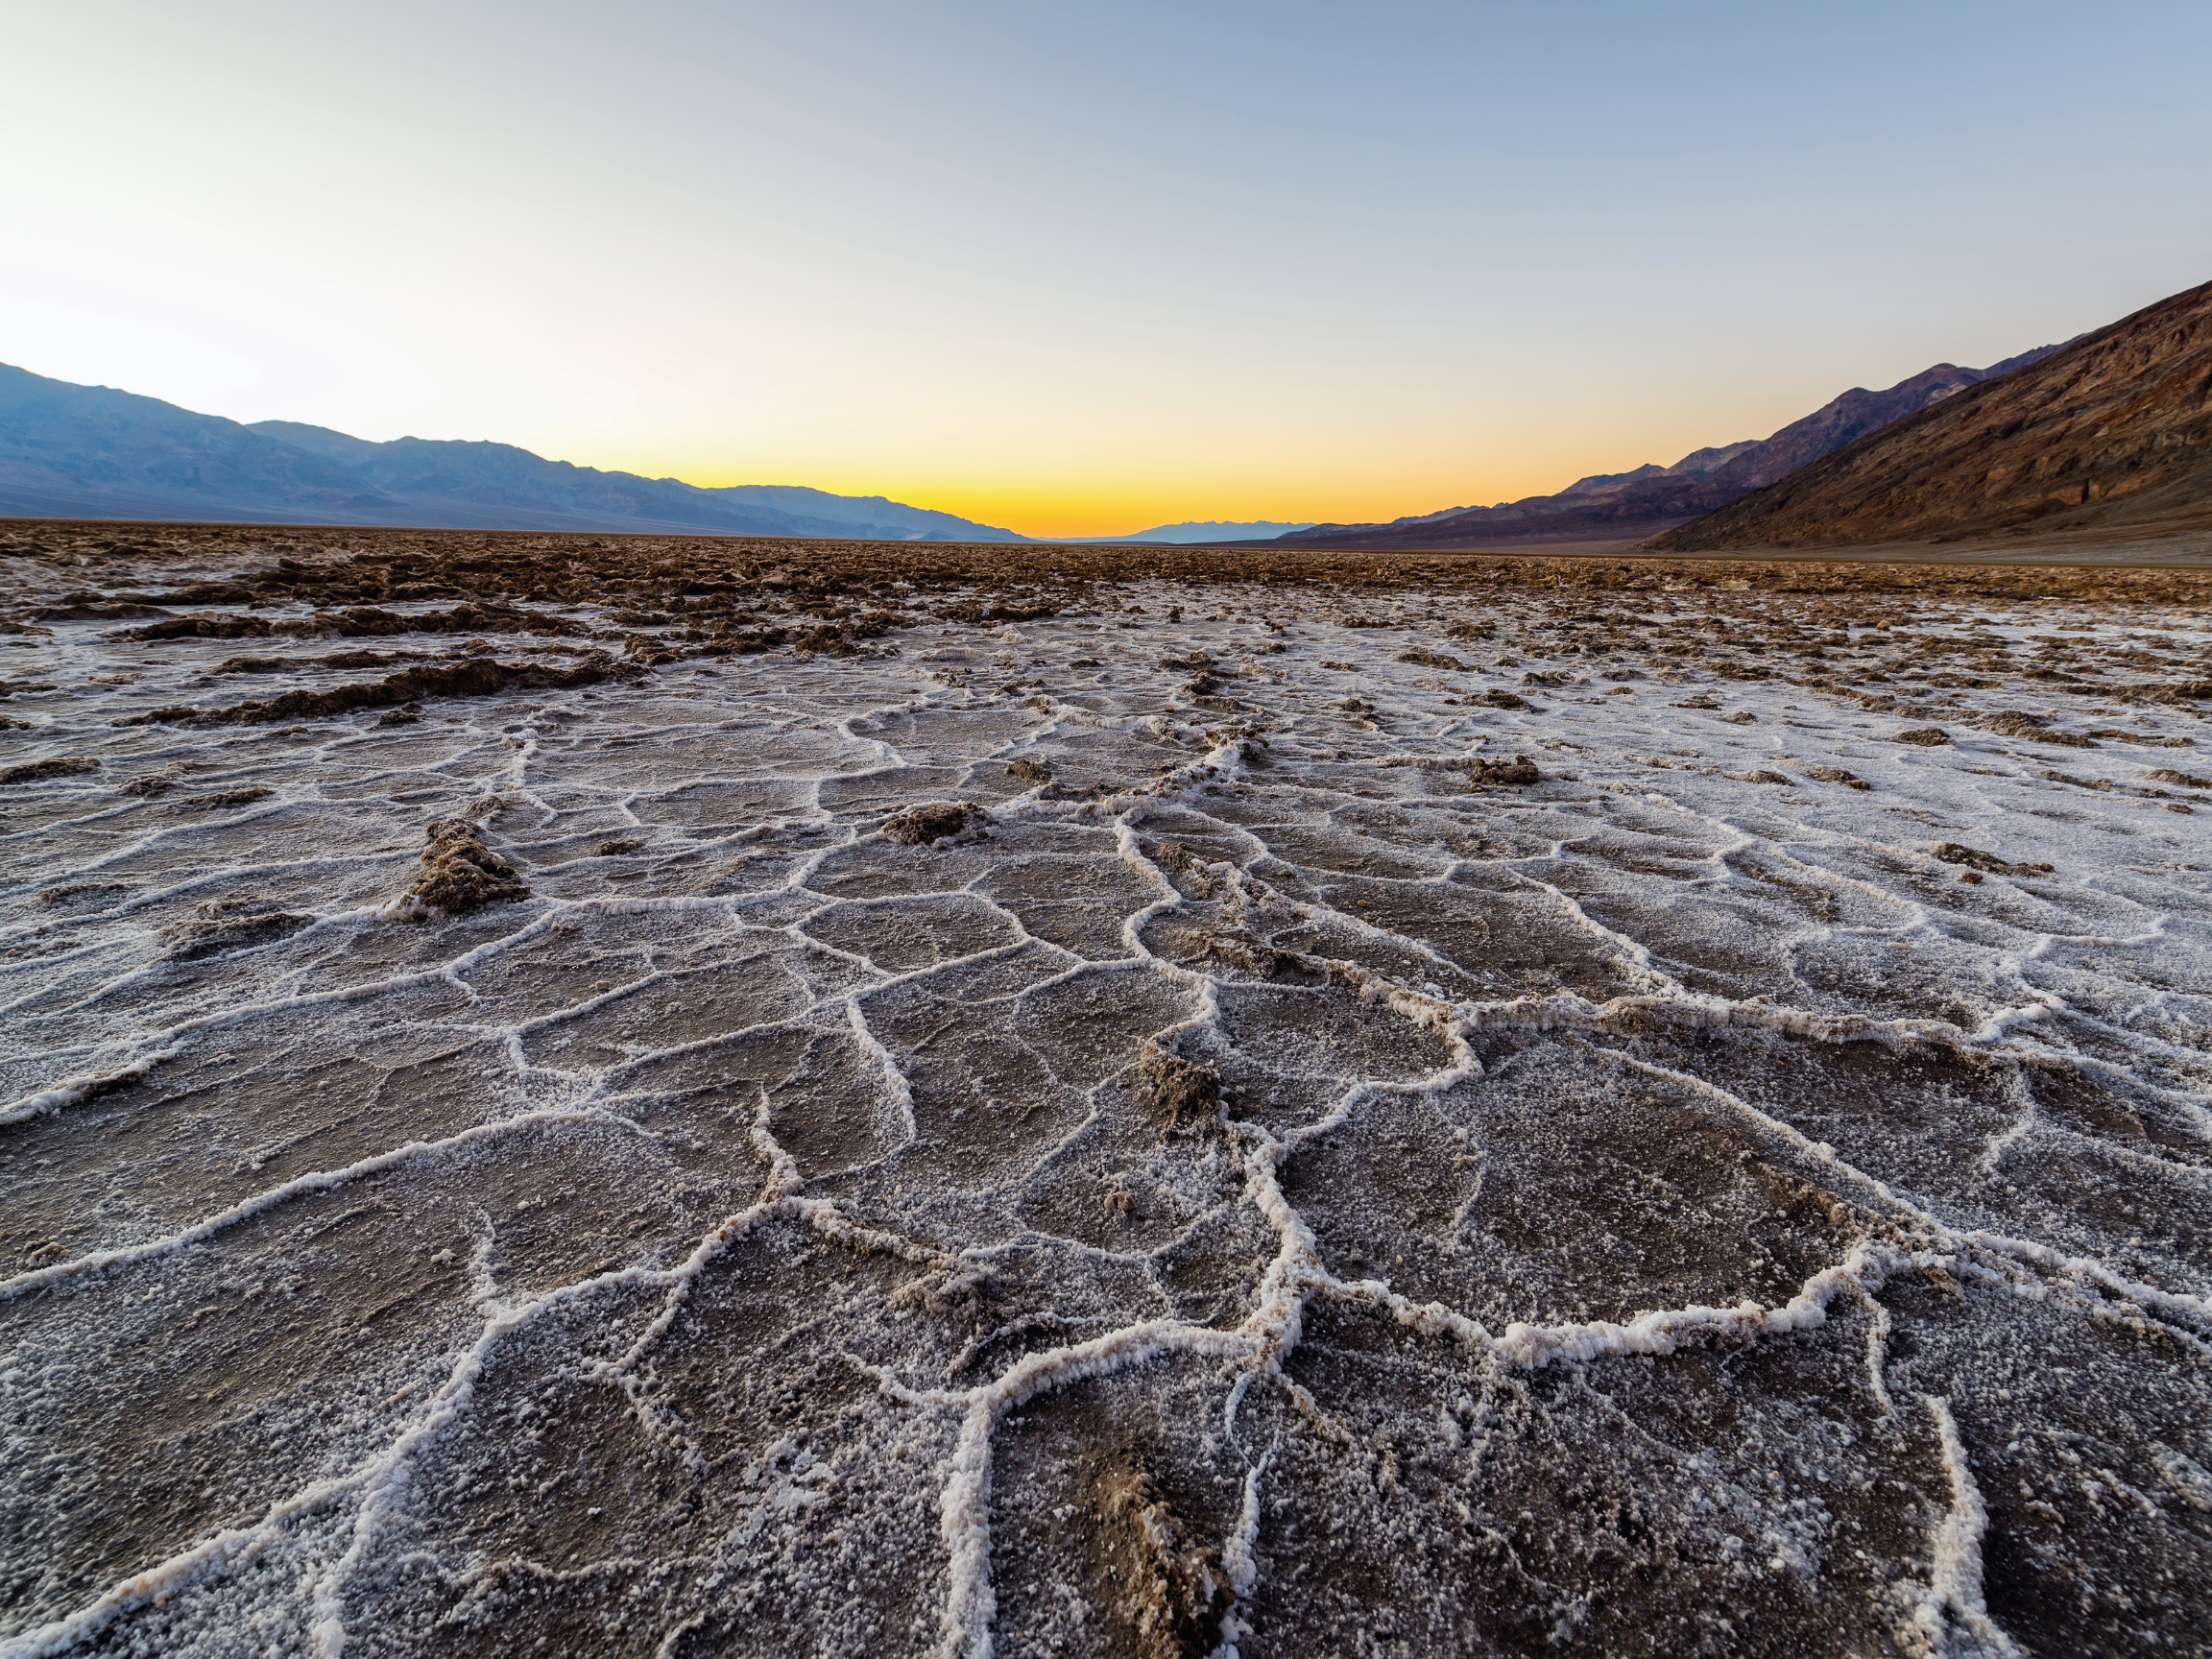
x,y
1113,465
1093,507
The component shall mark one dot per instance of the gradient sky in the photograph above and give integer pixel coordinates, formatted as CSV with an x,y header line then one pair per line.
x,y
1081,269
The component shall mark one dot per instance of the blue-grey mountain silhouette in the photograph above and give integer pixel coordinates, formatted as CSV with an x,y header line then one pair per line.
x,y
69,451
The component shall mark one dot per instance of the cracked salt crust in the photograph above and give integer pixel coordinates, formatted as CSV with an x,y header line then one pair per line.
x,y
746,1242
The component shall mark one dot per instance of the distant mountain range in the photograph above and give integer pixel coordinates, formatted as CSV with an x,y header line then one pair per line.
x,y
1197,532
69,451
2109,430
2110,434
1653,498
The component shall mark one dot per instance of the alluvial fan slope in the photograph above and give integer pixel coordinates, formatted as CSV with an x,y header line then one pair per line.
x,y
1142,1119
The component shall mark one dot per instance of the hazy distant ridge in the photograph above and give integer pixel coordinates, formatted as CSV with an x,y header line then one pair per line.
x,y
70,451
1196,531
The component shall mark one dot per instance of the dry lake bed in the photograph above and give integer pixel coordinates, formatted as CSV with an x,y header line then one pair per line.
x,y
565,1100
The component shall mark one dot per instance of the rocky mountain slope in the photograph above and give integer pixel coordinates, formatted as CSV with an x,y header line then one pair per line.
x,y
69,451
2113,433
1652,498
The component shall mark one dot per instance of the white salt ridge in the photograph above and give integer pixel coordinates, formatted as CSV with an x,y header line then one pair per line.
x,y
80,1086
1953,1618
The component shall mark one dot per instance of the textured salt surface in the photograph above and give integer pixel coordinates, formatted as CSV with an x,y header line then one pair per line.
x,y
1246,1184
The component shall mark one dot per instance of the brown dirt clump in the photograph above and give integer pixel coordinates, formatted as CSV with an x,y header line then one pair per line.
x,y
2168,775
1180,1093
936,821
1974,859
2171,692
1924,736
219,929
1838,775
33,771
2016,723
345,660
152,784
91,608
459,874
1518,770
1030,771
1177,859
81,890
367,621
1427,658
1169,1592
825,642
475,676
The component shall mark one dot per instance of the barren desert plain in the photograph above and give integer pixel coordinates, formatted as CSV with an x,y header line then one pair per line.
x,y
636,1097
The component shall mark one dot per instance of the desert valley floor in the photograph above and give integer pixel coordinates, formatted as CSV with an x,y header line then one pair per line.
x,y
724,1098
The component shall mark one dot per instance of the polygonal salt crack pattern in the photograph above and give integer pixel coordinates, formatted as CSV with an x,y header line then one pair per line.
x,y
1657,1208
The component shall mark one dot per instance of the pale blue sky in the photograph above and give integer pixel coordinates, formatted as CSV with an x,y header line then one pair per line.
x,y
1086,268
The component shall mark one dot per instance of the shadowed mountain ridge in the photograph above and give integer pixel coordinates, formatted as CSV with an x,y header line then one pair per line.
x,y
2112,433
1653,498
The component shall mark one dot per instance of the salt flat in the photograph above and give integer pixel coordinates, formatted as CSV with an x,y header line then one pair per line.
x,y
1661,1121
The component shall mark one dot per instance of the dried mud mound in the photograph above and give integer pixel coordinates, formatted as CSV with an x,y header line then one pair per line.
x,y
458,874
1114,1118
938,821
